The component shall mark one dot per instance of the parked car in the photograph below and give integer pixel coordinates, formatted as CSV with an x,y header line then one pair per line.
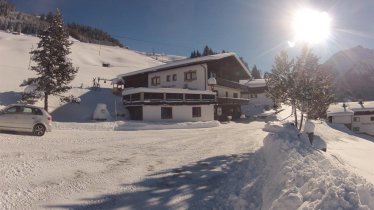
x,y
25,118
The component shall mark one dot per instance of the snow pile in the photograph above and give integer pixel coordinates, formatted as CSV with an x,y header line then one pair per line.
x,y
93,126
299,177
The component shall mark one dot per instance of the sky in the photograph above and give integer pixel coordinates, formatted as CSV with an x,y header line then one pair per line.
x,y
257,30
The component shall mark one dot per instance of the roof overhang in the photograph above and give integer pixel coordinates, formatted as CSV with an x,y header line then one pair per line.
x,y
218,61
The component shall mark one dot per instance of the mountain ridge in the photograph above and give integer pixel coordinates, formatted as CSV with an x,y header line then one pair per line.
x,y
353,69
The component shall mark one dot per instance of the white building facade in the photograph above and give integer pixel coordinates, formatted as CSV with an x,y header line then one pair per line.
x,y
357,116
259,101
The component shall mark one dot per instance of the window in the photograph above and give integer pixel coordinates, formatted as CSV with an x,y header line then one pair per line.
x,y
37,111
235,95
27,110
153,96
190,75
208,97
356,129
126,98
227,94
371,118
253,95
174,96
166,113
192,97
12,110
196,111
356,119
174,77
155,80
168,78
135,97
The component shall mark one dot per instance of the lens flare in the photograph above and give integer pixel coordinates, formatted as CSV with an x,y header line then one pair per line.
x,y
311,26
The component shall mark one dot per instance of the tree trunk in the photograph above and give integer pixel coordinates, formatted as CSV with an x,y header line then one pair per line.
x,y
295,113
46,102
301,121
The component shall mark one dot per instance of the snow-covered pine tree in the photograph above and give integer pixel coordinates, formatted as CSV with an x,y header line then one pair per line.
x,y
313,86
54,69
303,85
256,74
281,82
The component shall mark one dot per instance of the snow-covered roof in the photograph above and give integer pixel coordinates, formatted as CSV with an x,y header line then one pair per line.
x,y
117,81
338,110
365,106
187,62
351,107
165,90
256,83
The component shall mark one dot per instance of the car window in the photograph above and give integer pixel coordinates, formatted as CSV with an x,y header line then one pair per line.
x,y
12,110
37,111
27,110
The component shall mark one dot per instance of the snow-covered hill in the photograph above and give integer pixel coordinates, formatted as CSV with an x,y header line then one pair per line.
x,y
15,62
354,73
163,57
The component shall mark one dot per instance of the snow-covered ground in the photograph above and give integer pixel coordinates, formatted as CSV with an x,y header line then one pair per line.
x,y
106,169
248,165
353,151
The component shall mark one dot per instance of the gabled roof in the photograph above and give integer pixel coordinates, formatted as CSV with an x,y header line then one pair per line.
x,y
188,62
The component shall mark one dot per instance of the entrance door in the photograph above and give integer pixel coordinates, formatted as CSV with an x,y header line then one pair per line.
x,y
136,112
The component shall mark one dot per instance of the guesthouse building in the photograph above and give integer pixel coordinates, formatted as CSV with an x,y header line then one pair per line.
x,y
194,89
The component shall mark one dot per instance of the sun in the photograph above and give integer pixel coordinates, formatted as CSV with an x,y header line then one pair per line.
x,y
311,26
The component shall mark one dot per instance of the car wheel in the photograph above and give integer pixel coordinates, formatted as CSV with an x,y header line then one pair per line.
x,y
39,130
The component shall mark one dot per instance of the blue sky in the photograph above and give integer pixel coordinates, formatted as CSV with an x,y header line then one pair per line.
x,y
255,29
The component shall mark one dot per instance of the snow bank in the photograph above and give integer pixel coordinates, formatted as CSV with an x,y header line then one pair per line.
x,y
132,126
299,177
93,126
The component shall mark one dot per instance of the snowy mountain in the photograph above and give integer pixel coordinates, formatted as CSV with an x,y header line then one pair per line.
x,y
354,73
15,62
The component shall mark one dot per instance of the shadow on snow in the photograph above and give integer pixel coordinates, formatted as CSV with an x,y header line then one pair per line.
x,y
205,184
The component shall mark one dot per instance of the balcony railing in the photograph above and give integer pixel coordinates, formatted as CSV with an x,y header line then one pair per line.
x,y
241,101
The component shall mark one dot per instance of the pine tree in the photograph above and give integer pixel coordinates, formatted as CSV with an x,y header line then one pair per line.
x,y
54,69
256,74
281,82
206,50
313,86
198,54
302,84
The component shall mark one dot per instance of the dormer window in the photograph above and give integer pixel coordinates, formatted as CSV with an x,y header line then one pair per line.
x,y
190,76
155,81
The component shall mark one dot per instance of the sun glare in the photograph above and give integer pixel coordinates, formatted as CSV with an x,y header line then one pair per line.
x,y
311,26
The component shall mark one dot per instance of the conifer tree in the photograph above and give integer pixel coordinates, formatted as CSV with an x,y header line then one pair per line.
x,y
53,68
302,84
256,74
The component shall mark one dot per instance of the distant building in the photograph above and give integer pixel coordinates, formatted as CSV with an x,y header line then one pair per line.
x,y
357,116
196,89
256,93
